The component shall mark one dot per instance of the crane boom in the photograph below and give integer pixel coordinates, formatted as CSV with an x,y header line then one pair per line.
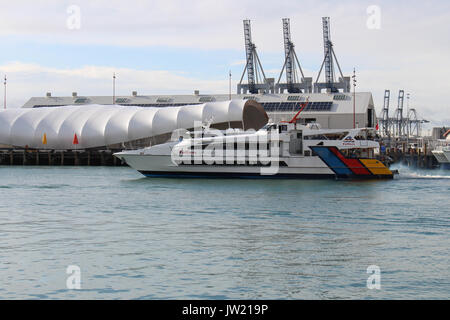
x,y
249,49
288,50
328,47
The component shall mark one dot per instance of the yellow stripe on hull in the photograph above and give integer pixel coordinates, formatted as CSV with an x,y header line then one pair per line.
x,y
376,167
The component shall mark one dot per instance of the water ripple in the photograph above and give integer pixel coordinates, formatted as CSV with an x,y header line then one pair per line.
x,y
138,238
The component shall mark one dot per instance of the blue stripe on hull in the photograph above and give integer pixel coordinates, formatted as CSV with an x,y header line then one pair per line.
x,y
231,175
332,161
228,175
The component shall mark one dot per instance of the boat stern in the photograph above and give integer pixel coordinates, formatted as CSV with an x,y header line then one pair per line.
x,y
352,168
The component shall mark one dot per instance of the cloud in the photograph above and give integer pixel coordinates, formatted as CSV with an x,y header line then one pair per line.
x,y
26,80
238,63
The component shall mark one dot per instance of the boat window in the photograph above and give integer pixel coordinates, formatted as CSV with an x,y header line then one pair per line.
x,y
336,136
316,137
352,153
282,128
269,127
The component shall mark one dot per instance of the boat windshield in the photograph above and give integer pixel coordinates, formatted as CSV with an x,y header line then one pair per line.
x,y
269,127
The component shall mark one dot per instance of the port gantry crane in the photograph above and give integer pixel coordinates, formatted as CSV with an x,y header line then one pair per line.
x,y
257,80
398,126
384,118
294,84
330,84
399,123
414,123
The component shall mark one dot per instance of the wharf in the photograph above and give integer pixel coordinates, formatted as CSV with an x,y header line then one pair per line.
x,y
11,156
59,157
416,158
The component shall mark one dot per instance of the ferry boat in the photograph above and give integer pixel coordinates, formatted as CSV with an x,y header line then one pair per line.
x,y
442,151
278,150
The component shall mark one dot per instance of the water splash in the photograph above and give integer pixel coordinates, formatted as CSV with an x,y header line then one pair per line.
x,y
414,173
423,176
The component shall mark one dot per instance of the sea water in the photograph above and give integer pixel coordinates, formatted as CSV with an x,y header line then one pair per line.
x,y
110,233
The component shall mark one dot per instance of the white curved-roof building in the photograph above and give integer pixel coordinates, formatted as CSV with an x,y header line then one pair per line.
x,y
106,125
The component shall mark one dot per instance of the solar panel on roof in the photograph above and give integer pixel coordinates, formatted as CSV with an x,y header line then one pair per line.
x,y
81,100
122,100
206,99
164,99
295,106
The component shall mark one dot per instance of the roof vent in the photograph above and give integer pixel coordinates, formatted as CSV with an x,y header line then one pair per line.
x,y
48,94
134,93
74,94
196,92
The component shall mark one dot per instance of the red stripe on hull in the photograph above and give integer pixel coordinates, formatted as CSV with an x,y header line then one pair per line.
x,y
352,164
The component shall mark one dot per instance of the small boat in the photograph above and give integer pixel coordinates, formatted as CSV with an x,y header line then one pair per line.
x,y
278,150
442,154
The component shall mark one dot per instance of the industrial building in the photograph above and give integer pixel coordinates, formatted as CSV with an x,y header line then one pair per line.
x,y
438,133
330,110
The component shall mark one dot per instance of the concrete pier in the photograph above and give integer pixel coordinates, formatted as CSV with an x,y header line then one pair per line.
x,y
411,158
32,157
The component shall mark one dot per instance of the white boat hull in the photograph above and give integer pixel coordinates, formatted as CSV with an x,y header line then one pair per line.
x,y
297,167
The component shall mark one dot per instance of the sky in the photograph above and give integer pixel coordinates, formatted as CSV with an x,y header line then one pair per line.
x,y
176,47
